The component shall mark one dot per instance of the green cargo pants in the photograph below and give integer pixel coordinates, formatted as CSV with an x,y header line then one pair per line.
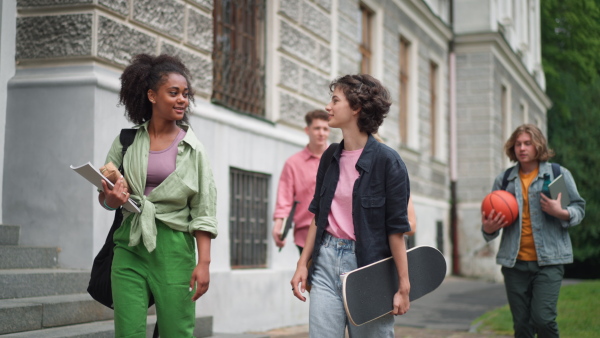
x,y
165,273
532,293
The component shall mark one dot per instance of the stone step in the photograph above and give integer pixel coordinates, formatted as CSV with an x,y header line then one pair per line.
x,y
105,329
24,283
35,313
9,234
238,335
22,257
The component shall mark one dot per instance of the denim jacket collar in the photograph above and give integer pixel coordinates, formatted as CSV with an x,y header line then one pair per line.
x,y
543,168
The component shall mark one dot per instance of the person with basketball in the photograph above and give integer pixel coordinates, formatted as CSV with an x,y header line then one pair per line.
x,y
534,248
360,207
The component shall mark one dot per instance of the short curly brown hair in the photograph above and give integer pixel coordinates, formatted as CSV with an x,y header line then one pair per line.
x,y
366,93
537,138
144,73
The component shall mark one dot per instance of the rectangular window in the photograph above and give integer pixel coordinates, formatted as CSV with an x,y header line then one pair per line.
x,y
248,216
433,94
504,111
524,111
366,26
238,55
404,88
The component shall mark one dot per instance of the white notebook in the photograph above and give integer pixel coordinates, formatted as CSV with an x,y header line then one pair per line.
x,y
93,175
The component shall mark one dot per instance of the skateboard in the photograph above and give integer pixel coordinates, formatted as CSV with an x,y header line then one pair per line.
x,y
288,222
368,291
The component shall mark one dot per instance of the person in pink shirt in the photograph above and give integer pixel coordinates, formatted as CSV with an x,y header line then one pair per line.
x,y
298,179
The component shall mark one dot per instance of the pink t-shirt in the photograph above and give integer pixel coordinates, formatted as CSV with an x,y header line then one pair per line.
x,y
161,164
340,215
297,182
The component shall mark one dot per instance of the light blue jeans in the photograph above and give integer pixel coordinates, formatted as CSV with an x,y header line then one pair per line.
x,y
327,317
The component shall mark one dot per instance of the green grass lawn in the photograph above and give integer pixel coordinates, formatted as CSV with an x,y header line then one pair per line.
x,y
578,313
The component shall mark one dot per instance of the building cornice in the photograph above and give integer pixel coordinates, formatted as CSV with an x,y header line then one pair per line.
x,y
426,15
495,41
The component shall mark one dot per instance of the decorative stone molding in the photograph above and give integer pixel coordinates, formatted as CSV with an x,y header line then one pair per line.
x,y
165,16
200,30
48,3
289,74
208,4
316,21
119,6
290,8
118,43
315,86
293,110
40,37
324,58
350,9
297,43
200,68
326,4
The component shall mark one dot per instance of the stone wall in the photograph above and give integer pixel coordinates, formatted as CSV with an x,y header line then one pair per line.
x,y
429,177
113,31
304,58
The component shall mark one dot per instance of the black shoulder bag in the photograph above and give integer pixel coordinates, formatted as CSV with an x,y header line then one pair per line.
x,y
100,286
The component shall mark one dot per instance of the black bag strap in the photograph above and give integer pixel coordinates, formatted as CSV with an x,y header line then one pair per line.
x,y
505,178
126,138
555,170
555,173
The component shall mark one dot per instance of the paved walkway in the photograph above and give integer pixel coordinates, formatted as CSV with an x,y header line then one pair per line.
x,y
446,312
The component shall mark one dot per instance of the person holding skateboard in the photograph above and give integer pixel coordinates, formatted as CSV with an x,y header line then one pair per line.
x,y
298,179
360,207
533,250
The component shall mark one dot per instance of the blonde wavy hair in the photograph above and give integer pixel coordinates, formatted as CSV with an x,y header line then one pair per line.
x,y
539,141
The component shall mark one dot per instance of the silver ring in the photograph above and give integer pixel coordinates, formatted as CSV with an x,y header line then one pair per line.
x,y
124,193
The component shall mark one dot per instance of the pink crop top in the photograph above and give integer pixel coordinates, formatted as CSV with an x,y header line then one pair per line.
x,y
161,164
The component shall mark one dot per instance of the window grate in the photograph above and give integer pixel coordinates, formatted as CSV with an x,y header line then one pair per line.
x,y
238,53
249,202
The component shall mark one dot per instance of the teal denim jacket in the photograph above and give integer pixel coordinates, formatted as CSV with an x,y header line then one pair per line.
x,y
550,234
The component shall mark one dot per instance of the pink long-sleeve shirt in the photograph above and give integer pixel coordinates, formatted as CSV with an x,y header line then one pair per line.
x,y
297,183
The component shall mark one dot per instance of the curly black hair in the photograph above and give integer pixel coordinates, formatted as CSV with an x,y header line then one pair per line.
x,y
366,93
144,73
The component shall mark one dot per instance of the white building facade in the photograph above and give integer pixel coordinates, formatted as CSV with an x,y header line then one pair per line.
x,y
462,75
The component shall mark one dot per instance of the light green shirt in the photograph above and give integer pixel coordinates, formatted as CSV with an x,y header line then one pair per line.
x,y
184,201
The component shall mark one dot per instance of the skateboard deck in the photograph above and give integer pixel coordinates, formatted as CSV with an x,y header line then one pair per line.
x,y
368,292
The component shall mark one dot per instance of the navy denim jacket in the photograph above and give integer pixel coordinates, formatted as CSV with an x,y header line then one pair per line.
x,y
550,234
379,200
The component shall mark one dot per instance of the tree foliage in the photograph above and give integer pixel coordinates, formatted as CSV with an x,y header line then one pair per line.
x,y
571,59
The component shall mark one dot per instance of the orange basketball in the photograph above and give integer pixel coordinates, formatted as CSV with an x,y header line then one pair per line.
x,y
503,202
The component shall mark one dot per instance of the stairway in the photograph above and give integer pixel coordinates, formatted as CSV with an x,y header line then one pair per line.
x,y
39,299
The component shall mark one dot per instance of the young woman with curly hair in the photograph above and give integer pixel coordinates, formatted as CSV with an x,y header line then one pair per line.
x,y
169,177
360,207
